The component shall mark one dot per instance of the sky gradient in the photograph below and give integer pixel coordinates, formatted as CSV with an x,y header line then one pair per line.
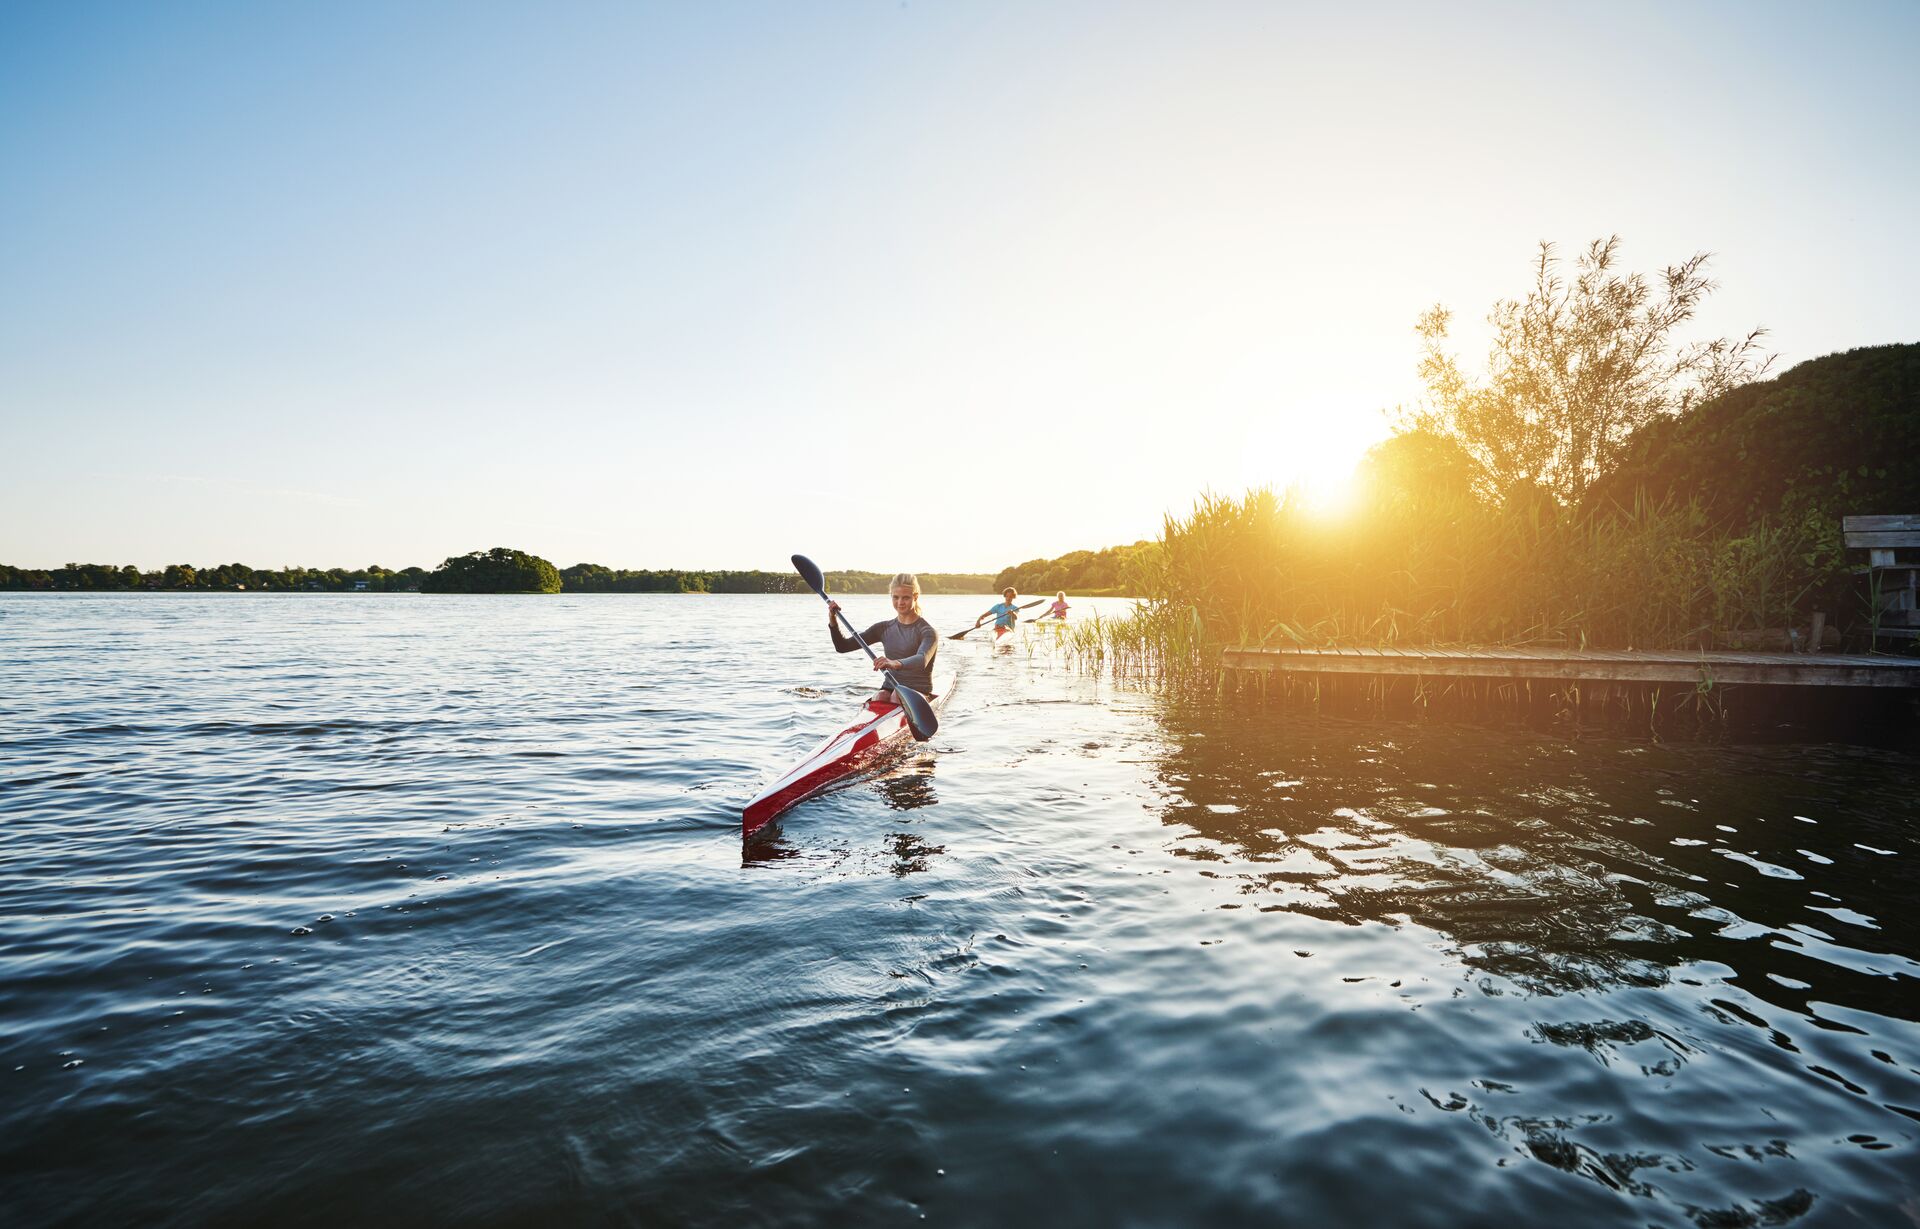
x,y
939,287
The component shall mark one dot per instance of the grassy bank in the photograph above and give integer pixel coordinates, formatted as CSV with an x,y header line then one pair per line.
x,y
1432,567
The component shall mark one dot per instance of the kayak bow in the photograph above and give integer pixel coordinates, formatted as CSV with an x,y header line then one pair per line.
x,y
879,728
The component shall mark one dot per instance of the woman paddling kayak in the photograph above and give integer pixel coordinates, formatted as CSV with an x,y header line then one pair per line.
x,y
907,642
1004,613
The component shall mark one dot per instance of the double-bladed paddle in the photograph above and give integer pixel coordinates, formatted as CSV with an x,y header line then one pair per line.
x,y
920,715
983,622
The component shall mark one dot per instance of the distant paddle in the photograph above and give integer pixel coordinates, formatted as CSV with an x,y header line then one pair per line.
x,y
920,716
982,623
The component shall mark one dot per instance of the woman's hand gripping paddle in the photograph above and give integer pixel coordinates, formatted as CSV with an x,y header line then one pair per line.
x,y
983,620
920,715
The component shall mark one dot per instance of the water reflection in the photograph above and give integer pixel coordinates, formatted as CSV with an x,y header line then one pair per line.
x,y
910,854
901,785
1719,930
1560,866
768,847
910,786
897,853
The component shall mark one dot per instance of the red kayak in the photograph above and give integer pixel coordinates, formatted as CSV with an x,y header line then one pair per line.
x,y
880,728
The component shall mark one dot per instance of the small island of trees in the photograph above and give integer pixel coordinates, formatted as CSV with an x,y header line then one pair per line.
x,y
500,570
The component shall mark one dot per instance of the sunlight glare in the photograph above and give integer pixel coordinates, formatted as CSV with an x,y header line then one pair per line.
x,y
1315,456
1329,493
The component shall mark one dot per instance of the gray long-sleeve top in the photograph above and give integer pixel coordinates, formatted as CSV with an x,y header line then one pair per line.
x,y
913,645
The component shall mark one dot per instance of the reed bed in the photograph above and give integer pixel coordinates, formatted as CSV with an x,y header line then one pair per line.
x,y
1451,569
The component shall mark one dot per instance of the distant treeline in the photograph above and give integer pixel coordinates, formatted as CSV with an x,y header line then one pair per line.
x,y
580,578
226,576
594,578
1115,571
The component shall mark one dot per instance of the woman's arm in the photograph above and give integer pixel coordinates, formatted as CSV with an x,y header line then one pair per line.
x,y
847,644
928,644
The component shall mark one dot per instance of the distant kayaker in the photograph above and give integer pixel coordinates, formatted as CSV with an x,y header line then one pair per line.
x,y
1004,613
1059,608
907,643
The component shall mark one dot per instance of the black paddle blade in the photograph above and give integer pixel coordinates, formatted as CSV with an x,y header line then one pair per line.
x,y
810,572
921,718
962,635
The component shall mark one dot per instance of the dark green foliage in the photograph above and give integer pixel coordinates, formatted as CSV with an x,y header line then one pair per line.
x,y
1837,436
930,582
597,578
500,570
594,578
234,577
1076,572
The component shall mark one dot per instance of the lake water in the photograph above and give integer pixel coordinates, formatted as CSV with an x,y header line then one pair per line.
x,y
356,910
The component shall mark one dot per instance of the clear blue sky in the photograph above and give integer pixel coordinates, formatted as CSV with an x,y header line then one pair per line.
x,y
939,286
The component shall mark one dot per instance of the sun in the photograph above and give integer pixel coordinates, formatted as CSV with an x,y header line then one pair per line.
x,y
1310,449
1330,493
1318,463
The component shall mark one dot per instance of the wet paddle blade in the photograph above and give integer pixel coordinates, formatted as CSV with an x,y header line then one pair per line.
x,y
921,718
810,572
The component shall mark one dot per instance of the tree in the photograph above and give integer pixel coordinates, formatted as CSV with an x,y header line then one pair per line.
x,y
1075,572
500,570
1418,469
1576,368
587,578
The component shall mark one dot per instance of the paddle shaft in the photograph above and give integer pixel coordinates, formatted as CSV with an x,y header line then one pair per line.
x,y
857,638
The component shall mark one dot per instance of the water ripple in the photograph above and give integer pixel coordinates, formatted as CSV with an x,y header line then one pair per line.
x,y
427,910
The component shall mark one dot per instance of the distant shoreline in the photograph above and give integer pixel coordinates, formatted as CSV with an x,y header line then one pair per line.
x,y
983,592
579,578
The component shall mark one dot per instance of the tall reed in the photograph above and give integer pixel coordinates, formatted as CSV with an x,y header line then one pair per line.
x,y
1445,567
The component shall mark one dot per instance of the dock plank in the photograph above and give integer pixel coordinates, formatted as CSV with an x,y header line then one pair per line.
x,y
1606,665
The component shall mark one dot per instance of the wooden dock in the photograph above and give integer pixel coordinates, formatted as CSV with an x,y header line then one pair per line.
x,y
1654,666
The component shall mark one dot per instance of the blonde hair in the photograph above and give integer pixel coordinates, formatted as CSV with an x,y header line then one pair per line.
x,y
907,580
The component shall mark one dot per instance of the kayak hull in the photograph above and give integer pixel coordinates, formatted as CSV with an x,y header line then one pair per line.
x,y
877,729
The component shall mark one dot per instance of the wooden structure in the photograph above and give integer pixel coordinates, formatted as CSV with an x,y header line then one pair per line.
x,y
1695,669
1893,587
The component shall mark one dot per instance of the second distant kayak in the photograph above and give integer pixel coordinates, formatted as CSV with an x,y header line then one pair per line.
x,y
877,729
